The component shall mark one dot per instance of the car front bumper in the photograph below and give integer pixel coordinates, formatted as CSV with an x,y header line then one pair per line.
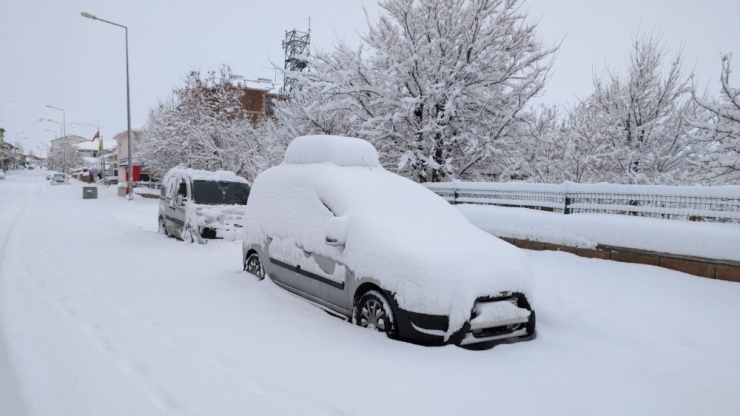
x,y
432,329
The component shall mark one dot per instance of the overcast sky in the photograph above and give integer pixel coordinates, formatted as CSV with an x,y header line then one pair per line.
x,y
49,54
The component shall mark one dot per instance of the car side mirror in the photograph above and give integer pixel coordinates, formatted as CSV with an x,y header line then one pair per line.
x,y
336,232
179,199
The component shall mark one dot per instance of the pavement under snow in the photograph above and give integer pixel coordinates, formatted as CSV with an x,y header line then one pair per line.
x,y
101,315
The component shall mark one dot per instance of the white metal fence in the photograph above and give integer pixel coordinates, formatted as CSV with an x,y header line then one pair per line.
x,y
692,203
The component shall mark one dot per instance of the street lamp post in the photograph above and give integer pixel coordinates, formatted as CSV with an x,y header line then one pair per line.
x,y
128,107
64,136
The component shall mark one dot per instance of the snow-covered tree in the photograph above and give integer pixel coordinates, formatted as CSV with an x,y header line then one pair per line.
x,y
720,130
631,129
204,125
440,87
65,154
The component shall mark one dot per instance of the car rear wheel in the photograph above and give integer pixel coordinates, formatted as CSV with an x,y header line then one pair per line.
x,y
253,265
373,310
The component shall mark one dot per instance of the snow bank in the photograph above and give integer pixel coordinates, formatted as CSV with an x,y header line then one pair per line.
x,y
397,232
341,151
701,239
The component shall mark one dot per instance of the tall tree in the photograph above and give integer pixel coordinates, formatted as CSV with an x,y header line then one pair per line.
x,y
720,129
631,129
440,87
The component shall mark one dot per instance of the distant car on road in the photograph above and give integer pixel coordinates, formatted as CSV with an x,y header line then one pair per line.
x,y
60,179
195,205
331,225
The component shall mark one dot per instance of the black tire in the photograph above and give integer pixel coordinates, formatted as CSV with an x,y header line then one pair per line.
x,y
374,310
163,228
253,265
188,236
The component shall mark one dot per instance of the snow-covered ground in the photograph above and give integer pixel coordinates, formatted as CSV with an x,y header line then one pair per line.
x,y
701,239
103,316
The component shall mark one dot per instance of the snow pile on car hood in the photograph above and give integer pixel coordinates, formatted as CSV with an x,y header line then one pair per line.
x,y
399,233
339,150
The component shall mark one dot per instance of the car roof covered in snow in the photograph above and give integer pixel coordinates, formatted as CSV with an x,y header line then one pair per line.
x,y
341,151
205,175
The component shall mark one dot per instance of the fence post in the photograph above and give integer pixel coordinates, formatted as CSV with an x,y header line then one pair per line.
x,y
566,209
454,199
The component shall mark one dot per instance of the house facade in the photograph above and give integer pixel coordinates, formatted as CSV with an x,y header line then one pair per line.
x,y
70,139
122,154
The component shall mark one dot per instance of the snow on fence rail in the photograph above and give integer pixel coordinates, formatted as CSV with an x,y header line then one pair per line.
x,y
692,203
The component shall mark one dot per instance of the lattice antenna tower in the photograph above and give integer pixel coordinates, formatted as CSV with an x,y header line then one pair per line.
x,y
296,45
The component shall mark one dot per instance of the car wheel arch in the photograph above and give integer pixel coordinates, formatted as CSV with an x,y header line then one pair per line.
x,y
365,287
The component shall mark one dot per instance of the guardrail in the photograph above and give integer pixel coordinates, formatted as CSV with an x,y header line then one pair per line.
x,y
688,203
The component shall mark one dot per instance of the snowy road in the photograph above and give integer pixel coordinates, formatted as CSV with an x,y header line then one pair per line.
x,y
103,316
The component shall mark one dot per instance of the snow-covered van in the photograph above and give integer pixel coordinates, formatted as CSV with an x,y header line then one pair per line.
x,y
332,226
195,205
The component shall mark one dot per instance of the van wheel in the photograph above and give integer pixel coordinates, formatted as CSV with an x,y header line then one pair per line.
x,y
253,265
163,228
374,311
187,236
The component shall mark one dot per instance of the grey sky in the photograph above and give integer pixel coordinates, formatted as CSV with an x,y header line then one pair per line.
x,y
51,55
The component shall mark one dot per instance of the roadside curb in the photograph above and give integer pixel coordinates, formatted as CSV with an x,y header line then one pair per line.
x,y
727,270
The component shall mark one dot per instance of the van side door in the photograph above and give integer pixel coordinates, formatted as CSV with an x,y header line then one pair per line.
x,y
178,205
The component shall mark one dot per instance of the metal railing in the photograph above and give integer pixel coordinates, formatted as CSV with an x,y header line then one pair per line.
x,y
687,203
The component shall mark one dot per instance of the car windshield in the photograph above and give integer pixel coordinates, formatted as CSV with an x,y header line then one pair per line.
x,y
220,193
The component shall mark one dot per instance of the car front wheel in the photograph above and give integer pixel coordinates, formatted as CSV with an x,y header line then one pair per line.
x,y
163,228
373,310
187,236
253,265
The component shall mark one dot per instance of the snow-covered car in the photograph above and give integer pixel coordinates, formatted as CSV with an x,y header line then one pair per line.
x,y
195,205
59,179
332,226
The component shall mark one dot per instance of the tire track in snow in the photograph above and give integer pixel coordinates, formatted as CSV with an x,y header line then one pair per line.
x,y
10,391
141,375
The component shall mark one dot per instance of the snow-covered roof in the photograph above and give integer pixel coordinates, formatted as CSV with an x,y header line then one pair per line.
x,y
339,150
205,175
269,86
